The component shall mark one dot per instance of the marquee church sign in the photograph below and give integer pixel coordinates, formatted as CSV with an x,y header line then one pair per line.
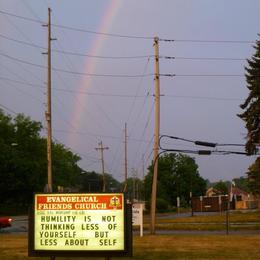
x,y
71,224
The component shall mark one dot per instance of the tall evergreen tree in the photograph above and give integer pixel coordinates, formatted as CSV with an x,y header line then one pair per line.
x,y
254,177
251,116
251,106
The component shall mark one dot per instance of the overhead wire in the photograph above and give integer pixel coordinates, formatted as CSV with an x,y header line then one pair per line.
x,y
123,35
8,109
74,151
12,72
18,29
75,53
204,41
202,75
60,51
143,162
65,120
145,128
20,90
116,153
202,143
75,72
73,91
21,17
201,58
99,136
202,97
137,91
118,95
71,65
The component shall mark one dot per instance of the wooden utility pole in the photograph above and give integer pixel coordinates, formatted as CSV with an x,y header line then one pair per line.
x,y
143,165
125,186
101,148
156,135
48,112
134,184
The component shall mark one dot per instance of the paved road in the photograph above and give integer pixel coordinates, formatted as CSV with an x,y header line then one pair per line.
x,y
202,232
19,224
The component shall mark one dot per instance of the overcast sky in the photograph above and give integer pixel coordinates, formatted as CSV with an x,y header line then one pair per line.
x,y
93,97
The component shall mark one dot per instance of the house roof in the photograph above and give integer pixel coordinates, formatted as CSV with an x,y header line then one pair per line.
x,y
237,191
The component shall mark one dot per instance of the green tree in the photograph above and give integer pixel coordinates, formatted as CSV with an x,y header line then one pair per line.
x,y
90,182
251,116
242,183
221,187
23,162
65,168
93,182
251,106
112,185
135,188
254,177
177,177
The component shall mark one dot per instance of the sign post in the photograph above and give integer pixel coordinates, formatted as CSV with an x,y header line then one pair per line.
x,y
76,224
137,209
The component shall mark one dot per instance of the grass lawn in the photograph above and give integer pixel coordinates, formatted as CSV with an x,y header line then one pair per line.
x,y
14,246
238,220
235,216
180,246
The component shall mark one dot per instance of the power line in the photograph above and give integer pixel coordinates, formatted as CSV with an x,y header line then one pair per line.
x,y
85,133
201,143
30,9
205,41
23,61
117,95
98,94
120,57
22,42
202,97
146,127
8,109
104,34
79,29
14,86
75,53
138,89
203,152
99,136
202,58
74,151
78,73
21,17
124,35
102,57
203,75
22,82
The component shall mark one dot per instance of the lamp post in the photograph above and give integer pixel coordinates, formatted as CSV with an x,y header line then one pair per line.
x,y
229,200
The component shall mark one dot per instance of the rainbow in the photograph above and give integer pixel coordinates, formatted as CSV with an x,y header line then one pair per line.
x,y
90,65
